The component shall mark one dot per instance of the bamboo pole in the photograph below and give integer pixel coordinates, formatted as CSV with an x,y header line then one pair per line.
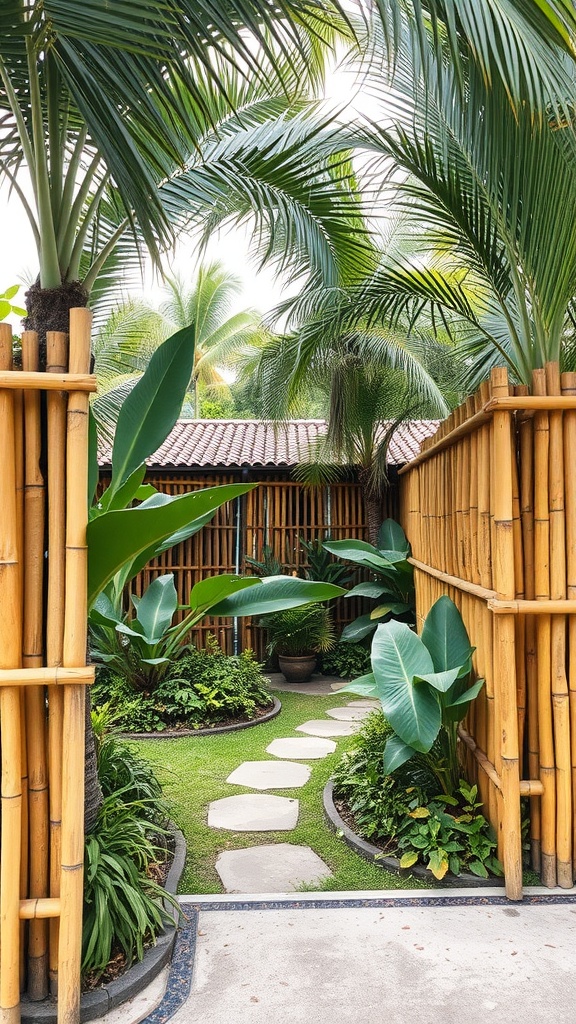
x,y
56,403
526,451
19,455
543,635
504,644
10,709
520,624
569,389
559,689
32,657
75,636
49,381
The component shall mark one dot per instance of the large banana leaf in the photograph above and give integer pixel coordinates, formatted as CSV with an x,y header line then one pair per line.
x,y
445,637
157,607
115,538
152,407
399,659
275,593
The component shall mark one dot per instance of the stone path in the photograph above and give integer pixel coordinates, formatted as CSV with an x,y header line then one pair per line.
x,y
279,867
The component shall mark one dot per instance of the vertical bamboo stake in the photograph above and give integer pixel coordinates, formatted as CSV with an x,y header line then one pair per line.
x,y
520,622
33,658
526,433
75,635
560,700
19,450
10,717
569,388
56,362
504,640
543,636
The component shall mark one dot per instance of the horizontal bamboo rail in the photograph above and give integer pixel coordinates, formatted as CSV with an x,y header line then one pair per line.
x,y
48,381
39,909
489,507
58,676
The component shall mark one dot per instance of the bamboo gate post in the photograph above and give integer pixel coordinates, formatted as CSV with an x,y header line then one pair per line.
x,y
489,507
43,673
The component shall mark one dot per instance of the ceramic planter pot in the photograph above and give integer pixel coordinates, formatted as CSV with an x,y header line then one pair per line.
x,y
297,668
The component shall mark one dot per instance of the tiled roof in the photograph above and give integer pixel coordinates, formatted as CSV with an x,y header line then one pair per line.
x,y
262,443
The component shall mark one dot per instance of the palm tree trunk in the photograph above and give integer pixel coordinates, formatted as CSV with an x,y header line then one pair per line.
x,y
373,506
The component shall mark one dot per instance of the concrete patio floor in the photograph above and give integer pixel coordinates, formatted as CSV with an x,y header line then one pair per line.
x,y
341,958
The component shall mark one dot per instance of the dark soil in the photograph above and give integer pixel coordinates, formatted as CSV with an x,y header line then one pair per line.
x,y
387,846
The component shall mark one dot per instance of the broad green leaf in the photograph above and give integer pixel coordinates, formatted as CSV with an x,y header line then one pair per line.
x,y
441,681
438,863
419,812
125,494
369,589
391,537
103,612
116,538
358,551
396,753
445,636
207,593
361,627
388,609
157,606
408,859
398,658
5,309
93,469
275,594
153,406
364,685
11,291
477,868
468,695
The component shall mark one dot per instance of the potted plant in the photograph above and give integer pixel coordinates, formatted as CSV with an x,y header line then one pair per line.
x,y
296,635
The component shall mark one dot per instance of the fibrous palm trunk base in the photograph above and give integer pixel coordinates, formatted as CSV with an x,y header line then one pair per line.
x,y
49,310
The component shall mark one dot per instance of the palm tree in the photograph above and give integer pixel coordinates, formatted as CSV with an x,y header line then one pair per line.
x,y
102,104
495,187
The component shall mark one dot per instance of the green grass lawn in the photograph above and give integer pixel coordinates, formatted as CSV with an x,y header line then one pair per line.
x,y
194,770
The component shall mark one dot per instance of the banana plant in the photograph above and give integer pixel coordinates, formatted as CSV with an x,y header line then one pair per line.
x,y
121,538
142,648
424,686
392,583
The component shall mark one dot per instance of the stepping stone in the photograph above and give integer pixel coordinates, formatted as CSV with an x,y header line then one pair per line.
x,y
278,868
270,775
301,749
366,702
323,727
349,714
254,813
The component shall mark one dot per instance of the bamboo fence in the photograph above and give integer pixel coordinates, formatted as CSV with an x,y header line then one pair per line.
x,y
489,507
275,514
43,673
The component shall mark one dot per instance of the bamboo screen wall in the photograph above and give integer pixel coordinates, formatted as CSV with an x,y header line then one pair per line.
x,y
274,514
490,510
43,670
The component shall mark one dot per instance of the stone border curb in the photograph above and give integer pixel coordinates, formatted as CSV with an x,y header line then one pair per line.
x,y
217,730
136,978
374,854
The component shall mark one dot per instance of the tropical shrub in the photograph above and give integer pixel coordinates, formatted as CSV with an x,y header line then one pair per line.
x,y
403,814
321,566
347,660
203,687
424,686
297,631
123,907
392,578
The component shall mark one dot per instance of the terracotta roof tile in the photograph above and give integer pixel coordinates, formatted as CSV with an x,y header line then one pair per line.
x,y
262,443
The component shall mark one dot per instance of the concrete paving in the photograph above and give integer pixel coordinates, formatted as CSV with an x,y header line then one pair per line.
x,y
401,964
280,867
254,812
270,775
318,686
365,702
349,714
301,749
325,727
